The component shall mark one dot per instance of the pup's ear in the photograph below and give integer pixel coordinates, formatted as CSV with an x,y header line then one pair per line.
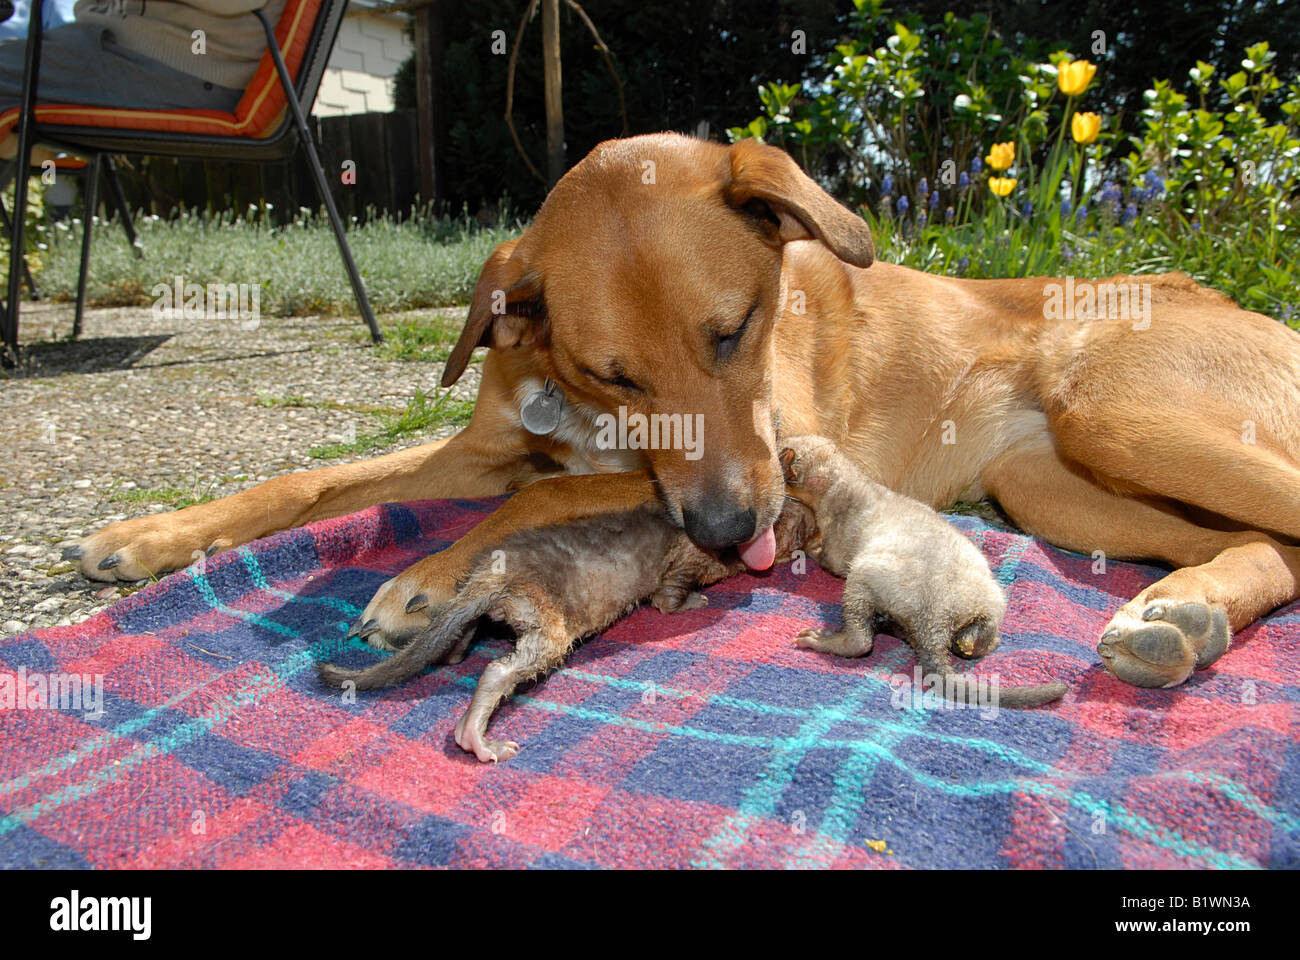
x,y
786,457
764,175
506,309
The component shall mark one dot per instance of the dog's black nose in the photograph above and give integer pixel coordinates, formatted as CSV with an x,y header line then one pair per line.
x,y
716,527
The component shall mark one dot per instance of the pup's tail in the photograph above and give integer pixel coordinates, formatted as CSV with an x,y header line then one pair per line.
x,y
932,652
428,646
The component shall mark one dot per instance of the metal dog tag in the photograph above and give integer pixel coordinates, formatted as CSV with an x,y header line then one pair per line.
x,y
543,409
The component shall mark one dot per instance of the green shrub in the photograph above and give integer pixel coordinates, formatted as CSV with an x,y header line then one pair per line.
x,y
902,129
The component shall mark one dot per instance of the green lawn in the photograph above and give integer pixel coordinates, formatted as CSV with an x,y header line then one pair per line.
x,y
406,266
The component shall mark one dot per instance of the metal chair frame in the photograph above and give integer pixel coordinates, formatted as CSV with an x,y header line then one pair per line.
x,y
99,143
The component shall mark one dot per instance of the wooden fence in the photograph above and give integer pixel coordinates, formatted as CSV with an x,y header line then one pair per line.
x,y
382,145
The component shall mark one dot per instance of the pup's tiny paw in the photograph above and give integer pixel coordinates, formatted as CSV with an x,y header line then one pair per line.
x,y
494,751
669,602
837,642
692,601
811,638
471,740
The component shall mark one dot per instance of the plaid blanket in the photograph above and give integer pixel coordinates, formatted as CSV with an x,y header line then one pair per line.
x,y
700,739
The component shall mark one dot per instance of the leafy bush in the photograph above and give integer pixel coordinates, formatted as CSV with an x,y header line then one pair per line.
x,y
929,96
903,129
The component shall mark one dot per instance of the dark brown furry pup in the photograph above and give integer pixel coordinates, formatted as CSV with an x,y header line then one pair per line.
x,y
553,586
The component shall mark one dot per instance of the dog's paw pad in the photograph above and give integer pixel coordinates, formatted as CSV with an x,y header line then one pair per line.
x,y
1166,645
1204,626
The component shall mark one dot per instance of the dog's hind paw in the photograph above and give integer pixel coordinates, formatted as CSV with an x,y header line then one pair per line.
x,y
1166,643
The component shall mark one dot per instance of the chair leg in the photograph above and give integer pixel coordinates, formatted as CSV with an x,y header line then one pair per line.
x,y
17,233
119,201
7,225
322,184
87,231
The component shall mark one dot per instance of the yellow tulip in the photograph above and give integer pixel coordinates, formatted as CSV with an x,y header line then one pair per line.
x,y
1001,186
1073,77
1085,126
1001,155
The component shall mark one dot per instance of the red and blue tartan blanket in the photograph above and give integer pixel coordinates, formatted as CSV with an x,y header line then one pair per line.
x,y
701,739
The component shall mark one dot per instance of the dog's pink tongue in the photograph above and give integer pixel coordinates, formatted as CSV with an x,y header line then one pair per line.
x,y
759,553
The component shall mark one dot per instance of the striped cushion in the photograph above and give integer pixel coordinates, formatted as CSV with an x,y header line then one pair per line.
x,y
258,113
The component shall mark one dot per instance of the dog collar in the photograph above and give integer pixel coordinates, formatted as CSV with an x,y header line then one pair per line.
x,y
543,409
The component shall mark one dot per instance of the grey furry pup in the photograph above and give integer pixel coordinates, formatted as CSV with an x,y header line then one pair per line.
x,y
904,563
553,586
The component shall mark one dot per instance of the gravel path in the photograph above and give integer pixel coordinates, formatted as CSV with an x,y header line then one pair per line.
x,y
143,411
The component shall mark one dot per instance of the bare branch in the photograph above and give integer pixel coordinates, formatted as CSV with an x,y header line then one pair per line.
x,y
609,60
510,89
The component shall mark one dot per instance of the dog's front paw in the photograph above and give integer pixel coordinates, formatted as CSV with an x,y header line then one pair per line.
x,y
403,606
1165,643
145,547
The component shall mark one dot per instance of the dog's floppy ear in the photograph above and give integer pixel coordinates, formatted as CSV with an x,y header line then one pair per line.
x,y
505,310
764,174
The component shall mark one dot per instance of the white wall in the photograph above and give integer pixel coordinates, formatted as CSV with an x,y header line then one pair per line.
x,y
369,49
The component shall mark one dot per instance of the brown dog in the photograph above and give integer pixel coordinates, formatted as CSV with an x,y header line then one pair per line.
x,y
667,275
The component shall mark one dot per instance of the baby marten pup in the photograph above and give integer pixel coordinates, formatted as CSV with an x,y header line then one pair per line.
x,y
902,562
553,586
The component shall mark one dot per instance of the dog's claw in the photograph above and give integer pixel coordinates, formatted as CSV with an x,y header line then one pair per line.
x,y
72,553
109,562
417,602
360,629
1104,649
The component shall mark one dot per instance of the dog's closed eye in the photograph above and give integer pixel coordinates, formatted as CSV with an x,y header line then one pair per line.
x,y
725,344
618,379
